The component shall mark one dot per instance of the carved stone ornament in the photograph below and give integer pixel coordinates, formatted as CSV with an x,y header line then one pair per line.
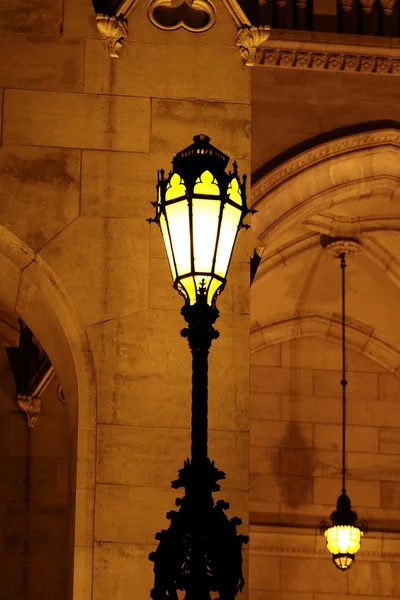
x,y
387,6
327,61
115,30
31,406
366,6
249,39
337,246
346,5
192,15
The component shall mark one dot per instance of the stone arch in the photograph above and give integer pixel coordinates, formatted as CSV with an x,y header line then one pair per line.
x,y
366,341
356,166
31,289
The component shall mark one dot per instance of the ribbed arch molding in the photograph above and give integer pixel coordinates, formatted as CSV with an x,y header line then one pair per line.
x,y
356,167
359,337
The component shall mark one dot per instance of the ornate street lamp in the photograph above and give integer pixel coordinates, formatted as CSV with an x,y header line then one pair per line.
x,y
343,537
200,208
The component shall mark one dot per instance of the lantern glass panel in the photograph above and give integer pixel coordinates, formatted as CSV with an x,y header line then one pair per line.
x,y
214,285
343,539
176,188
205,229
178,223
187,285
167,241
206,184
229,227
233,192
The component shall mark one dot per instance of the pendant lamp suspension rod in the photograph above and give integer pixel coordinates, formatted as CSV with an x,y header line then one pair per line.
x,y
343,381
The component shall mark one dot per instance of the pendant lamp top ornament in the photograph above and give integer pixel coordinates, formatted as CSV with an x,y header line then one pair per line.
x,y
343,536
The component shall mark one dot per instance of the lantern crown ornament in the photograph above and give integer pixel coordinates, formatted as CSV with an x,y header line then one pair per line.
x,y
200,208
343,536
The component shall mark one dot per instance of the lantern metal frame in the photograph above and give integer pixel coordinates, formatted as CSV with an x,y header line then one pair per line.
x,y
190,164
343,516
201,552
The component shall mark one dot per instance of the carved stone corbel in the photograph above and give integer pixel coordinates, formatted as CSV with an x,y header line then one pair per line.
x,y
115,30
346,5
366,6
387,6
249,38
31,406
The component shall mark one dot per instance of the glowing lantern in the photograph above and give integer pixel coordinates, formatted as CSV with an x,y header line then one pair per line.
x,y
343,537
200,208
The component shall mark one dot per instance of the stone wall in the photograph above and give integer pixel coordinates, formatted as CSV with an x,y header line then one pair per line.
x,y
311,103
33,496
295,464
83,136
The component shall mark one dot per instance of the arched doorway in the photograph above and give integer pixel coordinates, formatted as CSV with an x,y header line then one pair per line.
x,y
49,503
345,187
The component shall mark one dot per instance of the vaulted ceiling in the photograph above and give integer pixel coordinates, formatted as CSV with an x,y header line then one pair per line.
x,y
346,187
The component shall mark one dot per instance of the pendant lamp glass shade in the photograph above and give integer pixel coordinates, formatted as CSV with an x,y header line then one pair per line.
x,y
200,208
343,542
343,536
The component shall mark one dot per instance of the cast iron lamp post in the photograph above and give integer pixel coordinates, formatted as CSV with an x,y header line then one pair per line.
x,y
200,208
343,536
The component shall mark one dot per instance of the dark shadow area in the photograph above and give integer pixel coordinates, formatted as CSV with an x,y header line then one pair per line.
x,y
33,471
296,460
106,7
321,138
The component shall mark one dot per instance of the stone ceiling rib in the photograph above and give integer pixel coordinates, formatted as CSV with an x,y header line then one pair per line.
x,y
363,339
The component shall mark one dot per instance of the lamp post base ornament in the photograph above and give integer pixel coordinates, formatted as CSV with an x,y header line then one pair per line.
x,y
201,552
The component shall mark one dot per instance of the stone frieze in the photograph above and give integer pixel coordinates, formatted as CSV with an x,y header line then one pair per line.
x,y
284,51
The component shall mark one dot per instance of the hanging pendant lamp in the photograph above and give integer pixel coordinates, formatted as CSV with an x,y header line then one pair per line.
x,y
343,536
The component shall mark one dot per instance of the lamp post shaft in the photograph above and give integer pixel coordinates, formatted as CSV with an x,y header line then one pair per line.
x,y
200,333
199,406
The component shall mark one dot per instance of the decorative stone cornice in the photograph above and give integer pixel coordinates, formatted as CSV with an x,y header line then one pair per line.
x,y
249,39
294,50
327,61
115,30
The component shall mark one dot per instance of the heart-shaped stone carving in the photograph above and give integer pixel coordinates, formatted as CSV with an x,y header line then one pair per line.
x,y
193,15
